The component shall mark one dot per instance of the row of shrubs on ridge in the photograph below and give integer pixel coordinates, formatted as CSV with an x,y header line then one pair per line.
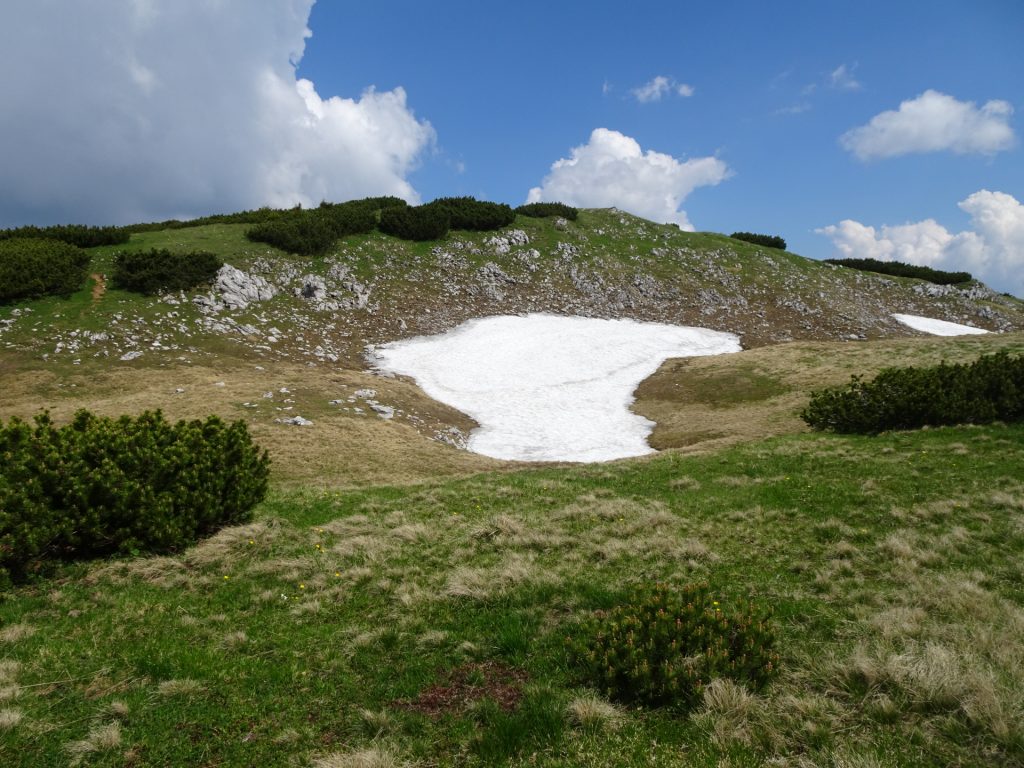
x,y
900,269
102,486
987,390
767,241
42,261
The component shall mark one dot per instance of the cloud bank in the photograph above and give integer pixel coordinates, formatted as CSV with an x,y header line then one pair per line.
x,y
933,122
612,170
992,250
148,109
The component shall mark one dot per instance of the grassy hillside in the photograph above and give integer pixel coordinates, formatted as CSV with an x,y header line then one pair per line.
x,y
398,601
386,618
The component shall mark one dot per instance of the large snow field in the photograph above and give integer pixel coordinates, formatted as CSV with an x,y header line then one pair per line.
x,y
937,327
547,387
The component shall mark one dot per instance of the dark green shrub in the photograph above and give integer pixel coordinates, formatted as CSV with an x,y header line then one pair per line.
x,y
313,232
899,269
301,232
34,267
161,270
414,223
472,214
989,389
665,645
75,234
102,486
768,241
544,210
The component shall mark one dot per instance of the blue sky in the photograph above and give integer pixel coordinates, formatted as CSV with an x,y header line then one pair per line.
x,y
883,129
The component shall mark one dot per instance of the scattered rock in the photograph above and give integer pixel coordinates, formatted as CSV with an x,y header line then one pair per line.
x,y
135,354
296,421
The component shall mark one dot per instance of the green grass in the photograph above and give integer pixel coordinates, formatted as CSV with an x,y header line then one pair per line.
x,y
892,563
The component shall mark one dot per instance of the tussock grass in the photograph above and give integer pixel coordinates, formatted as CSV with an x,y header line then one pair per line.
x,y
590,712
101,738
373,757
10,719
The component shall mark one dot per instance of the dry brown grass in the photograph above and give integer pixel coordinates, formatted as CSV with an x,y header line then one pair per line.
x,y
373,757
341,448
590,712
101,738
10,718
14,633
683,397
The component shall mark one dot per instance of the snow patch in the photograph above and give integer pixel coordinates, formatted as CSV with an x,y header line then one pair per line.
x,y
937,327
548,387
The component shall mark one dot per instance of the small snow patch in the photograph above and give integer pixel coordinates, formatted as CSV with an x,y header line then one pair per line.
x,y
937,327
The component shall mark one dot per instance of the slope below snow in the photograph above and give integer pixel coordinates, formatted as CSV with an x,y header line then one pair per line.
x,y
547,387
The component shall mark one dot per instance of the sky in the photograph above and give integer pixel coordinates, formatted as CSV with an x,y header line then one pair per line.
x,y
889,130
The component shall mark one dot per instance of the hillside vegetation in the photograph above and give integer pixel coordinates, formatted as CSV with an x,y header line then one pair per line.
x,y
396,600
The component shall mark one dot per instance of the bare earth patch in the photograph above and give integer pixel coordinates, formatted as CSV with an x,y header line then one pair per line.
x,y
466,685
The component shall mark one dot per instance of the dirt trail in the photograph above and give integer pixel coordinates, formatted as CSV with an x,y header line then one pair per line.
x,y
99,285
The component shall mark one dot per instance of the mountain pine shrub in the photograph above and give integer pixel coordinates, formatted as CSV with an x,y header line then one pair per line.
x,y
471,214
102,486
74,234
545,210
989,389
899,269
665,645
768,241
160,270
34,267
422,222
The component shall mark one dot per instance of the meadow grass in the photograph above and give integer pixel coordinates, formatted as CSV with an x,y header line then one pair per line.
x,y
316,634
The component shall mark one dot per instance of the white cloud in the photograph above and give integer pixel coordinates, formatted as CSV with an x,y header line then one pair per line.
x,y
992,250
933,122
842,78
659,87
612,170
187,107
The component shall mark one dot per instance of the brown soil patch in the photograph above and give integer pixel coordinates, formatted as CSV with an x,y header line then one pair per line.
x,y
466,685
99,285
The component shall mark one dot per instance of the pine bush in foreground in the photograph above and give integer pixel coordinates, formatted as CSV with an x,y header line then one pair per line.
x,y
101,486
665,645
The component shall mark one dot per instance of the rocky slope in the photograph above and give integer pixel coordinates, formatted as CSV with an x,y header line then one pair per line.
x,y
372,289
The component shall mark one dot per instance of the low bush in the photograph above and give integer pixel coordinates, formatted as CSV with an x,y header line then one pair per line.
x,y
161,270
313,232
75,234
768,241
899,269
301,232
34,267
665,645
472,214
422,222
544,210
989,389
102,486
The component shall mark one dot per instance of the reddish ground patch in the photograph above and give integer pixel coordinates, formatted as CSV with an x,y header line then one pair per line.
x,y
468,684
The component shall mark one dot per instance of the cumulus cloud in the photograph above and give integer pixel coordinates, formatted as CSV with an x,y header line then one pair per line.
x,y
992,250
933,122
612,170
128,110
660,87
